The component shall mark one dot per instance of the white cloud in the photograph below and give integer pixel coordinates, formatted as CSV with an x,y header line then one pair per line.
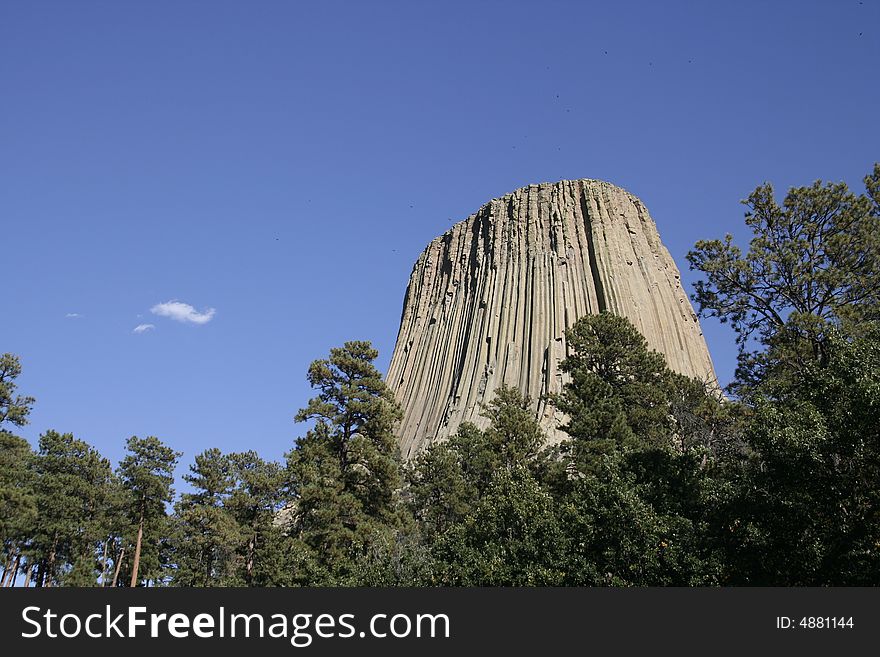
x,y
73,315
143,328
182,312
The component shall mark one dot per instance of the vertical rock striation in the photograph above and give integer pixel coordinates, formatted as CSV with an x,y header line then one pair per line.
x,y
488,302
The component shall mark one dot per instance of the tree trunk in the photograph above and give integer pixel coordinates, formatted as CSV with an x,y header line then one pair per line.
x,y
28,573
14,574
6,566
250,562
137,552
41,573
209,567
104,565
50,567
118,566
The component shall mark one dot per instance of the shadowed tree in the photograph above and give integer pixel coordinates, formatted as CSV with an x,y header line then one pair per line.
x,y
448,478
807,512
481,506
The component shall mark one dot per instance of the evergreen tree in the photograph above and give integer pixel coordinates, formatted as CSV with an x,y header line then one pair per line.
x,y
14,408
114,528
147,474
644,443
17,503
18,507
448,478
206,534
254,505
512,537
71,480
618,393
807,509
346,470
482,507
813,263
796,504
440,492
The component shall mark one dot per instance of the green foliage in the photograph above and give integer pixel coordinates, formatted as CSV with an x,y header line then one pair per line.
x,y
18,504
808,506
18,500
512,537
254,504
72,480
622,502
345,472
147,474
797,504
13,408
481,508
641,451
813,263
394,558
441,491
616,393
514,435
206,535
114,527
447,480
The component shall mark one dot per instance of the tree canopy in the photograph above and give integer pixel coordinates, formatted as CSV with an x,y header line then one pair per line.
x,y
813,263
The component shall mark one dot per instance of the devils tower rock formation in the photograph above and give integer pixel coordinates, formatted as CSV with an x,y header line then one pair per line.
x,y
489,300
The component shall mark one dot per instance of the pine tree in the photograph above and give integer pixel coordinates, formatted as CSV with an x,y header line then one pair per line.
x,y
71,484
147,474
646,442
18,506
346,470
807,508
448,478
17,503
481,505
618,392
114,528
512,537
813,263
14,408
254,504
206,534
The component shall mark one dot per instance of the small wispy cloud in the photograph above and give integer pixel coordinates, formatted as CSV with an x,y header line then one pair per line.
x,y
143,328
182,312
73,315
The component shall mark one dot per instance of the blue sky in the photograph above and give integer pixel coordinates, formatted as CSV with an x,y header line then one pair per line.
x,y
278,166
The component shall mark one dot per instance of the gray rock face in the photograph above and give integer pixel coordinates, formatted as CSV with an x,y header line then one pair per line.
x,y
489,300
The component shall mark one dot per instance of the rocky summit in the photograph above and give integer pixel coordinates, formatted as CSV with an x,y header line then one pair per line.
x,y
488,303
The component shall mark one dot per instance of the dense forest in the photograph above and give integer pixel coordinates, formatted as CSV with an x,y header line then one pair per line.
x,y
663,480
